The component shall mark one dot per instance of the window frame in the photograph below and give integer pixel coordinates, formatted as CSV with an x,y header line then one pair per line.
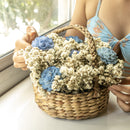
x,y
5,60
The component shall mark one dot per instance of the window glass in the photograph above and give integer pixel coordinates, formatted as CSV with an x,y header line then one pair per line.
x,y
16,15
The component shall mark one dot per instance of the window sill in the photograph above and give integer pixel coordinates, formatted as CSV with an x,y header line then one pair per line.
x,y
19,111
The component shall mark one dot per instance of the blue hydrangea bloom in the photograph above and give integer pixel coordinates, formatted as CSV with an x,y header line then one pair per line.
x,y
43,43
107,55
71,52
76,38
47,77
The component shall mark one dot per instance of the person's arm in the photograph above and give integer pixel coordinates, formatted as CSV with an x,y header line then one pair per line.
x,y
22,43
79,17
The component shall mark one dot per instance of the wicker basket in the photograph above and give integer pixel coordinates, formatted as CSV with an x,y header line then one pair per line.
x,y
75,106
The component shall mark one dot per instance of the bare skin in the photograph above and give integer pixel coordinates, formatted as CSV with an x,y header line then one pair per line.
x,y
115,14
22,43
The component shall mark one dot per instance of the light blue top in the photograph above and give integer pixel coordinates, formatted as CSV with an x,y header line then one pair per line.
x,y
98,29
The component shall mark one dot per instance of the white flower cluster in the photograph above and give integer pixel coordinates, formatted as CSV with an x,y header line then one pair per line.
x,y
100,44
77,72
110,74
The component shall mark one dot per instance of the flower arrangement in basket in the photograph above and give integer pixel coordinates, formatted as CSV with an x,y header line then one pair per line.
x,y
70,77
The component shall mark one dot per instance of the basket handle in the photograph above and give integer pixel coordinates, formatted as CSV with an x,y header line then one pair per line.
x,y
87,34
91,44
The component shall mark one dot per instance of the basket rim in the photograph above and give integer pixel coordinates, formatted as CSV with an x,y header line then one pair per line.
x,y
77,94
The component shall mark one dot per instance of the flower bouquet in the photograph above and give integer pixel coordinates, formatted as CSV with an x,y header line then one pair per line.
x,y
70,77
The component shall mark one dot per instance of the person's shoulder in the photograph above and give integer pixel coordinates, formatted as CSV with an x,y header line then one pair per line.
x,y
90,8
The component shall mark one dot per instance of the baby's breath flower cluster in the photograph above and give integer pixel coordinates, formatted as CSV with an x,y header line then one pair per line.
x,y
77,73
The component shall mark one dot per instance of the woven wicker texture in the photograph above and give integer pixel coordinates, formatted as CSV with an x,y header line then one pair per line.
x,y
75,106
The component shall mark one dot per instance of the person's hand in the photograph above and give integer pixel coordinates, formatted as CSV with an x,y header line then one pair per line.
x,y
22,43
123,95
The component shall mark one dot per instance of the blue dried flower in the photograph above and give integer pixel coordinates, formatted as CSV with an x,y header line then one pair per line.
x,y
43,43
48,76
107,55
71,52
76,38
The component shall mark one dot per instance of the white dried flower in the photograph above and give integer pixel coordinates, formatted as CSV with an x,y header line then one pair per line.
x,y
77,71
